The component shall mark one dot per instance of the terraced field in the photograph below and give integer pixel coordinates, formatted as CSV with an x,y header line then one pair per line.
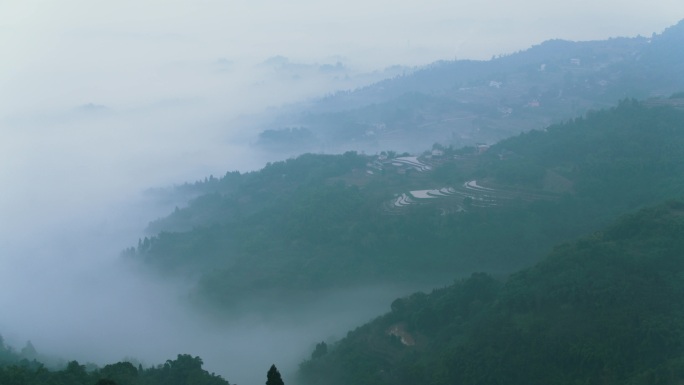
x,y
460,198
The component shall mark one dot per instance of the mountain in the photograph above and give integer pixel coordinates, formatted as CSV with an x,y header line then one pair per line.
x,y
605,309
299,228
466,102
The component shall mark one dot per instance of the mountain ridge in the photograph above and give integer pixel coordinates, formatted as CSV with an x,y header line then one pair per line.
x,y
466,102
322,222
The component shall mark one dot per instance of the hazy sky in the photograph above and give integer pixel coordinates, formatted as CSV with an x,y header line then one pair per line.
x,y
124,52
102,99
169,74
148,60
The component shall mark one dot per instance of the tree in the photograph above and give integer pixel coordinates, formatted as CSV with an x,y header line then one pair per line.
x,y
74,373
273,377
121,373
320,351
29,351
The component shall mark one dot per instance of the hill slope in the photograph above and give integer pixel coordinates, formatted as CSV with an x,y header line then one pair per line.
x,y
605,309
319,222
470,102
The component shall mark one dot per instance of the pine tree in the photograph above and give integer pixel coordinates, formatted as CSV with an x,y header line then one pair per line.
x,y
29,352
273,377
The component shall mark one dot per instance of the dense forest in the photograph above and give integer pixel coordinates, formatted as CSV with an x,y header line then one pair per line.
x,y
22,368
605,309
317,222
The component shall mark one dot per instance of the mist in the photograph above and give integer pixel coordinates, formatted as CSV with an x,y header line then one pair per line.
x,y
102,102
78,177
77,191
74,298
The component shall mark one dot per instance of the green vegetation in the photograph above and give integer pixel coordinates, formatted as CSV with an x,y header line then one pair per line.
x,y
273,377
320,222
184,370
606,309
286,137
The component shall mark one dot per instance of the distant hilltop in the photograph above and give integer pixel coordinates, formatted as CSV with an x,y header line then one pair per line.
x,y
465,102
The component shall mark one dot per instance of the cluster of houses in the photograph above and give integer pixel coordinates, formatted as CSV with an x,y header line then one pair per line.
x,y
447,199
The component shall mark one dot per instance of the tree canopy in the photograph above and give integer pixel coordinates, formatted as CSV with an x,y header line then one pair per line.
x,y
604,309
273,376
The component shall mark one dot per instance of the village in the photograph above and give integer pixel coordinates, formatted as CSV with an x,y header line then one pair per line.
x,y
448,199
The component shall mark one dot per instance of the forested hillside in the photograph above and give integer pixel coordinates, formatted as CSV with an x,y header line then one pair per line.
x,y
605,309
465,102
319,222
